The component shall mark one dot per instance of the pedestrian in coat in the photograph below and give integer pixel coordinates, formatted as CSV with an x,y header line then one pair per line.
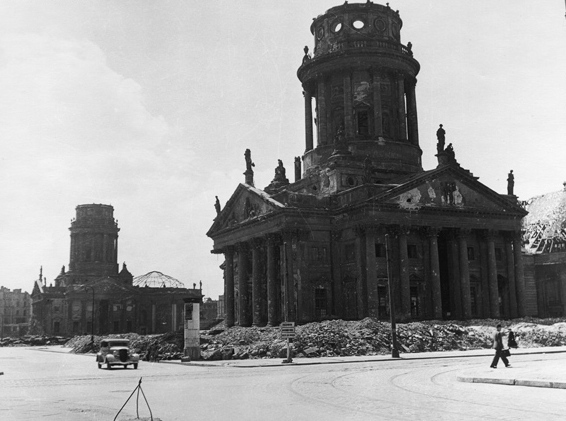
x,y
498,346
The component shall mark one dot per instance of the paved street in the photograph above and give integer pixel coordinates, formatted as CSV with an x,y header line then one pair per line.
x,y
39,383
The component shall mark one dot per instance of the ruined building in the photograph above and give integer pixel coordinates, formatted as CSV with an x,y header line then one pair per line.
x,y
319,247
93,296
15,312
544,234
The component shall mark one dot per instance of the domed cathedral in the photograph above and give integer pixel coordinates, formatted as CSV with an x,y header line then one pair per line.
x,y
362,218
94,297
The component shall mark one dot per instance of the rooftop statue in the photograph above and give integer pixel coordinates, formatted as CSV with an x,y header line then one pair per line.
x,y
510,183
441,136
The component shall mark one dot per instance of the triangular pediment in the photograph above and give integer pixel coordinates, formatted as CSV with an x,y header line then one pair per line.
x,y
247,203
449,188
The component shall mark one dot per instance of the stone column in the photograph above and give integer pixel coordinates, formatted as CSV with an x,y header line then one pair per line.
x,y
362,290
321,111
308,121
371,270
272,309
378,123
510,257
412,121
257,245
104,247
229,285
455,287
348,107
484,279
288,276
492,273
243,312
402,117
335,237
435,273
404,283
519,275
464,274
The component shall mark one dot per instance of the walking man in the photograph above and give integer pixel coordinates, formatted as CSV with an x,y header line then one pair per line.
x,y
498,346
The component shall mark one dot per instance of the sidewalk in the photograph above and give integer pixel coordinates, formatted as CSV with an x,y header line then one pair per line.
x,y
549,373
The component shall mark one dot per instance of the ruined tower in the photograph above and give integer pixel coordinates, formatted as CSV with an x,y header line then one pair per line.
x,y
94,242
363,82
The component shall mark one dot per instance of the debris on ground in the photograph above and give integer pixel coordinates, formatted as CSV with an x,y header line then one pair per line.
x,y
328,338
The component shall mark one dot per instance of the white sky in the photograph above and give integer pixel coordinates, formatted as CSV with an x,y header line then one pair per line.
x,y
149,106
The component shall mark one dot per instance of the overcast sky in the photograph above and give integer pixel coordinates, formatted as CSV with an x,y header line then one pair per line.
x,y
149,105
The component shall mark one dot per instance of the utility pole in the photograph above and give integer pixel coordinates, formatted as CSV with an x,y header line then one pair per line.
x,y
394,350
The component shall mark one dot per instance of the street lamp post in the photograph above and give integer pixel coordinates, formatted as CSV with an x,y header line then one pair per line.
x,y
92,317
394,350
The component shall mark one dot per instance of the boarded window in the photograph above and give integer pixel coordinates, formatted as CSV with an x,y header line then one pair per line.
x,y
412,251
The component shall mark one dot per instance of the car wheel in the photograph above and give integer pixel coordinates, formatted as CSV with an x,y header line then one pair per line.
x,y
99,365
135,366
108,366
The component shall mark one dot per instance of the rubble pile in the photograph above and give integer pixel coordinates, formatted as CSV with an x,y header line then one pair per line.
x,y
168,346
33,340
340,338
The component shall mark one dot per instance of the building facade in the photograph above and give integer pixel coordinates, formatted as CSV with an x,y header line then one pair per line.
x,y
544,240
94,297
362,216
15,312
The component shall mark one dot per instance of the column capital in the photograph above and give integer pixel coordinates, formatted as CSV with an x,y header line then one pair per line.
x,y
228,250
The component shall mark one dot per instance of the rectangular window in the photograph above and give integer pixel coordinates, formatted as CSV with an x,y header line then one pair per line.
x,y
56,327
380,250
89,327
412,251
320,302
471,254
75,327
129,325
116,326
318,254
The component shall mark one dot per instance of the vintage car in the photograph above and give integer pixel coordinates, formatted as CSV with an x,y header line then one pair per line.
x,y
116,351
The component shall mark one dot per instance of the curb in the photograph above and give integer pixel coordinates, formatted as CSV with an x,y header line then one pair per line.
x,y
513,382
301,362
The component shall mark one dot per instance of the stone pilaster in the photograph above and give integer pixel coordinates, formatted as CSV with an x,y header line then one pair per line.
x,y
243,300
335,238
492,273
348,107
404,282
432,235
511,275
402,117
272,287
229,286
464,274
257,272
362,290
455,286
378,123
519,275
288,277
321,111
